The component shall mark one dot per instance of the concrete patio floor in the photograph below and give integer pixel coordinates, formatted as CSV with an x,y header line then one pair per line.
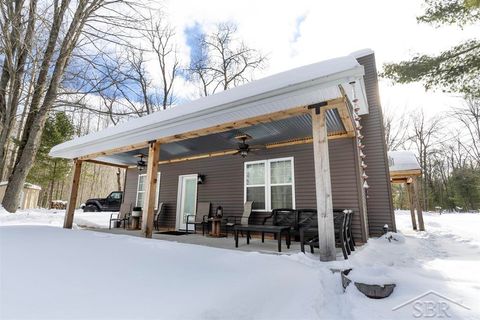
x,y
256,245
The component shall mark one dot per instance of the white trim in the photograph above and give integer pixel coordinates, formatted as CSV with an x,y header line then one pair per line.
x,y
268,184
253,185
159,176
179,198
284,184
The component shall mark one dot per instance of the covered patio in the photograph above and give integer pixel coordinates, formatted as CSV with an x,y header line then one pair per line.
x,y
256,244
311,105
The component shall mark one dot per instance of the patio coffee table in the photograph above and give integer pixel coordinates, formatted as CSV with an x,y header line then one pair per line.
x,y
278,230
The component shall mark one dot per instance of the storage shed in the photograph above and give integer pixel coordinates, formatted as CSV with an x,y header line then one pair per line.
x,y
29,196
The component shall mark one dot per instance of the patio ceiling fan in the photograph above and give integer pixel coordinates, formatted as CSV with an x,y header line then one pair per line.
x,y
243,148
141,164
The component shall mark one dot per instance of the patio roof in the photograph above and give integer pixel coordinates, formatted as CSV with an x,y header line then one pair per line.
x,y
270,110
403,165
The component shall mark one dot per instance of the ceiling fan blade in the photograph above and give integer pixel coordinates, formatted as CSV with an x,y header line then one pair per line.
x,y
258,147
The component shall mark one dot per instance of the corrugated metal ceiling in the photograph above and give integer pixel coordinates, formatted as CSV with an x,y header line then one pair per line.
x,y
266,133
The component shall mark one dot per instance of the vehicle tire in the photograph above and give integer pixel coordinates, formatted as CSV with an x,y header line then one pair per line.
x,y
90,208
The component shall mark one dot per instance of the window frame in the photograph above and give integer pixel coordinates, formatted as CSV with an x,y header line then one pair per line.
x,y
159,175
268,184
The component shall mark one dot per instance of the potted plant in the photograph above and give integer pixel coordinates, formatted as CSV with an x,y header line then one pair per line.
x,y
137,212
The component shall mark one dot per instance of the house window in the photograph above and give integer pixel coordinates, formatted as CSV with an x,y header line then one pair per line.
x,y
270,184
142,188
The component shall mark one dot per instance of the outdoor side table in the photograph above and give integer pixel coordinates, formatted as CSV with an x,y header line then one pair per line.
x,y
216,223
134,223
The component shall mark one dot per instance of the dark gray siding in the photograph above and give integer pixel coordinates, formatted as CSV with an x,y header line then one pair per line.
x,y
224,181
379,201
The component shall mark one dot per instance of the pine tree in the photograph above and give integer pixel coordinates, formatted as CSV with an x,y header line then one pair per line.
x,y
454,70
47,171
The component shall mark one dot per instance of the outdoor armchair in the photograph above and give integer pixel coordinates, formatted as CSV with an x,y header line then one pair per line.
x,y
348,235
282,217
341,220
158,215
122,216
231,221
201,217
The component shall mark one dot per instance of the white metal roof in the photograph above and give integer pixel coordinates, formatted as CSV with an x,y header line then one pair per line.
x,y
402,161
301,86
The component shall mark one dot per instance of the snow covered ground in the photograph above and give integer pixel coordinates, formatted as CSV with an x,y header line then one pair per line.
x,y
47,272
54,218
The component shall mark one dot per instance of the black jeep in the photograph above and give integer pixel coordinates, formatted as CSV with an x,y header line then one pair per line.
x,y
110,203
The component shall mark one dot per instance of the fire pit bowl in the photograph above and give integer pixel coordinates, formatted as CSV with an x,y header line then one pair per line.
x,y
373,291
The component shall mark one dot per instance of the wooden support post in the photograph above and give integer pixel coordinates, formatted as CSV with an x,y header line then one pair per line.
x,y
323,186
72,201
151,187
418,203
411,202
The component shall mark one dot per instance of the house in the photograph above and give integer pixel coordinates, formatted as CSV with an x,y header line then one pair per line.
x,y
320,135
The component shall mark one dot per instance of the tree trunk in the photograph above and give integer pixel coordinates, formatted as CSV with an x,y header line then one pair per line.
x,y
16,181
16,83
38,109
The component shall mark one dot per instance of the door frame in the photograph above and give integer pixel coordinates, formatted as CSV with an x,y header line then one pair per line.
x,y
179,197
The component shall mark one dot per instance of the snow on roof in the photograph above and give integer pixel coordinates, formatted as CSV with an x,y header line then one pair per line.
x,y
402,161
362,53
301,86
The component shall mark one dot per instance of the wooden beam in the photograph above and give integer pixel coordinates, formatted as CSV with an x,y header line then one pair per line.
x,y
323,187
418,204
347,119
131,147
411,202
72,201
107,164
330,104
151,187
406,173
200,156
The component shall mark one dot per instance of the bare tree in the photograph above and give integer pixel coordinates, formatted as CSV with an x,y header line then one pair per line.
x,y
70,26
223,61
424,135
161,39
469,117
17,44
396,129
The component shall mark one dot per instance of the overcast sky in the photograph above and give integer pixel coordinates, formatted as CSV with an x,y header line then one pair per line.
x,y
295,33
